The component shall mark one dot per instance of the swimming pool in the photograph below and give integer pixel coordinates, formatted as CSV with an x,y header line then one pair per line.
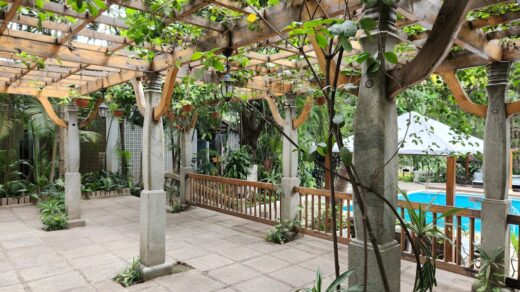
x,y
462,200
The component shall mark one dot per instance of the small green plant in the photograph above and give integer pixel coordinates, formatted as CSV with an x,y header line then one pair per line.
x,y
131,275
53,215
334,285
490,277
283,232
237,164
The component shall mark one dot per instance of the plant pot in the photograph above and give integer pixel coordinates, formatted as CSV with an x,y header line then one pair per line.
x,y
81,102
321,100
117,113
215,115
187,108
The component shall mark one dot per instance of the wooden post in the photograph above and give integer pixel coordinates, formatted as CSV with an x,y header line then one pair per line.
x,y
511,170
451,171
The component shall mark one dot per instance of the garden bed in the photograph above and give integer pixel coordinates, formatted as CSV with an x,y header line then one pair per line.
x,y
103,193
21,200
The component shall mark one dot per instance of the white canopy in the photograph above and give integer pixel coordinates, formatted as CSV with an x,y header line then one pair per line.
x,y
425,136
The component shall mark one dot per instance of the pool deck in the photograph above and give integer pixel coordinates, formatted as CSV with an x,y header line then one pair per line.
x,y
228,253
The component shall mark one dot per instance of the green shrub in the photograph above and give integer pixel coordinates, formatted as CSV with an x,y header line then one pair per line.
x,y
53,215
283,232
131,275
237,164
318,284
406,178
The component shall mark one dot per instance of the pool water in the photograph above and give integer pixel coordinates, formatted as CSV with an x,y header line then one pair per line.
x,y
462,200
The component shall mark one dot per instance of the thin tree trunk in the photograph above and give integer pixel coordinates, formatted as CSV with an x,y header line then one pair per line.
x,y
53,157
61,134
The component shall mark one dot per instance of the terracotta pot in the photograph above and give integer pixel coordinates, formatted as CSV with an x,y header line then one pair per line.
x,y
118,113
81,102
187,108
215,115
321,100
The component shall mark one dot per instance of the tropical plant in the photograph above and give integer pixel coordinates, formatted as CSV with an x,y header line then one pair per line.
x,y
283,232
425,233
237,164
335,285
490,277
131,275
53,215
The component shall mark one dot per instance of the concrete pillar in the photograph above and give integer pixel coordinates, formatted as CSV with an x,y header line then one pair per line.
x,y
72,175
186,168
112,146
496,205
153,198
289,200
375,143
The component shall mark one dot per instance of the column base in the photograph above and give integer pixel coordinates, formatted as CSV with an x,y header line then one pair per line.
x,y
73,195
289,200
391,256
76,223
153,272
152,225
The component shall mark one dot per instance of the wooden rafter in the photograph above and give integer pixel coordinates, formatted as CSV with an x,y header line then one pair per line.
x,y
436,48
13,8
450,78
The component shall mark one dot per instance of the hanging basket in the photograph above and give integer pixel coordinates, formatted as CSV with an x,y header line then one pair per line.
x,y
81,102
215,115
187,108
321,100
117,113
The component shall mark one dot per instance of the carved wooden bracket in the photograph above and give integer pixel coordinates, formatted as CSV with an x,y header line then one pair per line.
x,y
304,115
450,78
167,92
512,108
444,31
92,114
274,111
137,83
44,100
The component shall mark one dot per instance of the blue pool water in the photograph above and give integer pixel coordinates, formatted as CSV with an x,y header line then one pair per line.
x,y
462,200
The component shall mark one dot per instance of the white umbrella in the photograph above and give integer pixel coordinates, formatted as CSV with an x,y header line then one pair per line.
x,y
425,136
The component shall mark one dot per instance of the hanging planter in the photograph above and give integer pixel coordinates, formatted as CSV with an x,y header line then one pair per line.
x,y
81,102
117,113
187,108
321,100
215,115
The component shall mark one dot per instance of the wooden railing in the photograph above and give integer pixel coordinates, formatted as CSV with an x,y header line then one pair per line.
x,y
253,200
455,253
261,202
316,215
514,227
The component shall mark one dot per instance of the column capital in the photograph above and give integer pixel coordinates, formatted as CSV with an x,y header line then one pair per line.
x,y
498,73
154,82
71,107
384,14
290,100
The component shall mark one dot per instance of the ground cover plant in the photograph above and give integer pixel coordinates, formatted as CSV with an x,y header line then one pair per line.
x,y
53,215
131,275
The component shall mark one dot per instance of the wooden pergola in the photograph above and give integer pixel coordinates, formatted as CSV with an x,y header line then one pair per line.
x,y
78,57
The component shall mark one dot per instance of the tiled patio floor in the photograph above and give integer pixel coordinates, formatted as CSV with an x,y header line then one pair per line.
x,y
228,253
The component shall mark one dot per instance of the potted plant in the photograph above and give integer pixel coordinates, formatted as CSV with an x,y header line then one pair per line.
x,y
115,110
82,101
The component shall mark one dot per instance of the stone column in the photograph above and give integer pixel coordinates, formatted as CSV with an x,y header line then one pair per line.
x,y
186,168
496,205
375,143
153,198
72,175
289,200
112,146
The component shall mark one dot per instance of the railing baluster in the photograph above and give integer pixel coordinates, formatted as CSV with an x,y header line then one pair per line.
x,y
348,219
458,260
319,212
312,212
306,210
403,237
471,242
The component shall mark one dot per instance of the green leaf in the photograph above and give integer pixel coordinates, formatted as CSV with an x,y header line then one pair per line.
x,y
391,57
345,156
100,4
196,56
39,3
321,40
367,24
338,119
362,57
338,281
79,4
345,43
347,29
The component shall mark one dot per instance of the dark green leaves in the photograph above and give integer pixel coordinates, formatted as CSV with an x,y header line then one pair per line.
x,y
345,156
391,57
346,29
367,24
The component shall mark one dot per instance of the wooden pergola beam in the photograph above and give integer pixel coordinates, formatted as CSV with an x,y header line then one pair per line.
x,y
450,78
44,100
12,9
